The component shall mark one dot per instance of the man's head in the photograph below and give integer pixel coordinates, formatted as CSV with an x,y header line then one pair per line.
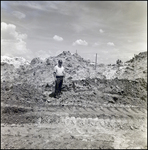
x,y
60,62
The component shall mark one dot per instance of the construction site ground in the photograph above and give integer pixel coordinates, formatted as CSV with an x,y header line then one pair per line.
x,y
77,120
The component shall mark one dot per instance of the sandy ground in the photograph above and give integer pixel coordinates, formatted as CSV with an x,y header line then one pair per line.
x,y
61,125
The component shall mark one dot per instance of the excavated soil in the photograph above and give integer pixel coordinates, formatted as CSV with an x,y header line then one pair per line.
x,y
90,114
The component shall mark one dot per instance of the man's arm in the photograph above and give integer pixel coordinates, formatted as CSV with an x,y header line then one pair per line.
x,y
54,73
64,74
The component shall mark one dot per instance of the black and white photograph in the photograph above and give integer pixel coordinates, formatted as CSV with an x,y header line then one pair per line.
x,y
74,74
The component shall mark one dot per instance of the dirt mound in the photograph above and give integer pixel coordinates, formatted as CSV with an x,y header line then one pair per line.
x,y
41,71
16,61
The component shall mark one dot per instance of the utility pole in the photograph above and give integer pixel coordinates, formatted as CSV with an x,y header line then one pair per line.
x,y
134,75
134,64
96,62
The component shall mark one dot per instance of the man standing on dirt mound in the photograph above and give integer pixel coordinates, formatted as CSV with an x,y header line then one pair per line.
x,y
59,75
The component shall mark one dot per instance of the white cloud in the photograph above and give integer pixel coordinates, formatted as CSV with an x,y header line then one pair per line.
x,y
101,31
42,5
52,4
111,44
80,42
30,4
18,14
95,44
12,43
9,32
57,38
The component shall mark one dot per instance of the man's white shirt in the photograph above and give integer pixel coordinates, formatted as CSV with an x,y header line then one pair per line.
x,y
59,70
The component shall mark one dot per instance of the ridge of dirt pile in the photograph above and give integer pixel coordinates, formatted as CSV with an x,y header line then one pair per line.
x,y
16,61
76,67
102,109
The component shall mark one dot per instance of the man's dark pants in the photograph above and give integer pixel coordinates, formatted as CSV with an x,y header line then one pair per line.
x,y
58,85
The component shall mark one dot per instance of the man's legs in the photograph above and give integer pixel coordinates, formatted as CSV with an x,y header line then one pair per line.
x,y
60,84
56,87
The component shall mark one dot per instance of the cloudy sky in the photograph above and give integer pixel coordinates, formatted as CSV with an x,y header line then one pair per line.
x,y
113,30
